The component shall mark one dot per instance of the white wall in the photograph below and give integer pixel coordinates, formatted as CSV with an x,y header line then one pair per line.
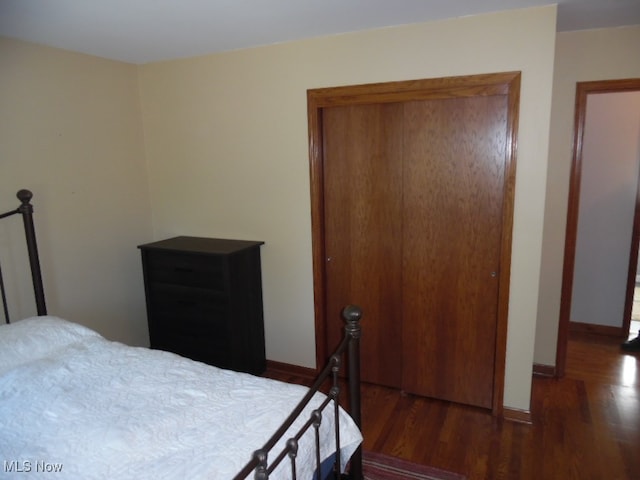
x,y
602,54
70,131
608,189
226,139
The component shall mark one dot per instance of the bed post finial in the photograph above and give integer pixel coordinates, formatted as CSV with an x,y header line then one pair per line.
x,y
352,315
24,196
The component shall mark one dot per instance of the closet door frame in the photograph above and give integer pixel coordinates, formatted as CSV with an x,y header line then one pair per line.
x,y
507,83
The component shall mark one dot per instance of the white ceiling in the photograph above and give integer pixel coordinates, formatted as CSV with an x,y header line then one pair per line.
x,y
141,31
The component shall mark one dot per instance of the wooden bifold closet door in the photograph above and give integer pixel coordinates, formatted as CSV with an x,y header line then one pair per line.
x,y
413,227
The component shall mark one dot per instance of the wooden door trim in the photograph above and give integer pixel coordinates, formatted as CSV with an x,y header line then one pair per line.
x,y
507,83
505,248
633,264
583,89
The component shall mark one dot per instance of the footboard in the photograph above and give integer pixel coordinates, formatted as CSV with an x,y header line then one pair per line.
x,y
265,459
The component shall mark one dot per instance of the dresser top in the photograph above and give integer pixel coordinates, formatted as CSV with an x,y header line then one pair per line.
x,y
216,246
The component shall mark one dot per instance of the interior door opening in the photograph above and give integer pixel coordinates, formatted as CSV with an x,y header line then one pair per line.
x,y
584,91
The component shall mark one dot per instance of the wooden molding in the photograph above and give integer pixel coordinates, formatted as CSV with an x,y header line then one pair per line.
x,y
547,371
517,415
604,330
505,83
583,89
289,369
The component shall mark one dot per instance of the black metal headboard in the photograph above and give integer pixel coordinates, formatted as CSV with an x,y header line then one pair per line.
x,y
26,210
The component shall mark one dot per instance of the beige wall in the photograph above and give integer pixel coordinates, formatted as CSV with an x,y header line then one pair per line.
x,y
70,131
226,143
603,54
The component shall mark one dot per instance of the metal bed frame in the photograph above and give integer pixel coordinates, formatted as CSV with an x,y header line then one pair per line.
x,y
260,464
350,345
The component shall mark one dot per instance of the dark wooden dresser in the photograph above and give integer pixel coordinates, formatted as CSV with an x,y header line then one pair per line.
x,y
204,300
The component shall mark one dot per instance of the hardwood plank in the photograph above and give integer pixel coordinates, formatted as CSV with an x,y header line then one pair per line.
x,y
584,426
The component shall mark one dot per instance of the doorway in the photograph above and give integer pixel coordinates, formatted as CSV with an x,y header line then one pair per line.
x,y
584,91
404,178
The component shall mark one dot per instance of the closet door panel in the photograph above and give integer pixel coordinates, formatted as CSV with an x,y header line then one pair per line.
x,y
362,146
453,182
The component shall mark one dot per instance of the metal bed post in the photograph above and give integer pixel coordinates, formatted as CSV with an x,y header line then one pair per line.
x,y
26,210
350,344
352,315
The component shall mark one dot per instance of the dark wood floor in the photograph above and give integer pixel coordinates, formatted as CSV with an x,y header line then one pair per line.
x,y
586,426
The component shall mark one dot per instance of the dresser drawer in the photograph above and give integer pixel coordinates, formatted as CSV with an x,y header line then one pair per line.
x,y
191,322
185,269
192,333
169,296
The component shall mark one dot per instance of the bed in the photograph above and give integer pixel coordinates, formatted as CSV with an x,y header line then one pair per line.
x,y
79,405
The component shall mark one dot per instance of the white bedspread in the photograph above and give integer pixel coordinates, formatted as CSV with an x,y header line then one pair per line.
x,y
94,409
